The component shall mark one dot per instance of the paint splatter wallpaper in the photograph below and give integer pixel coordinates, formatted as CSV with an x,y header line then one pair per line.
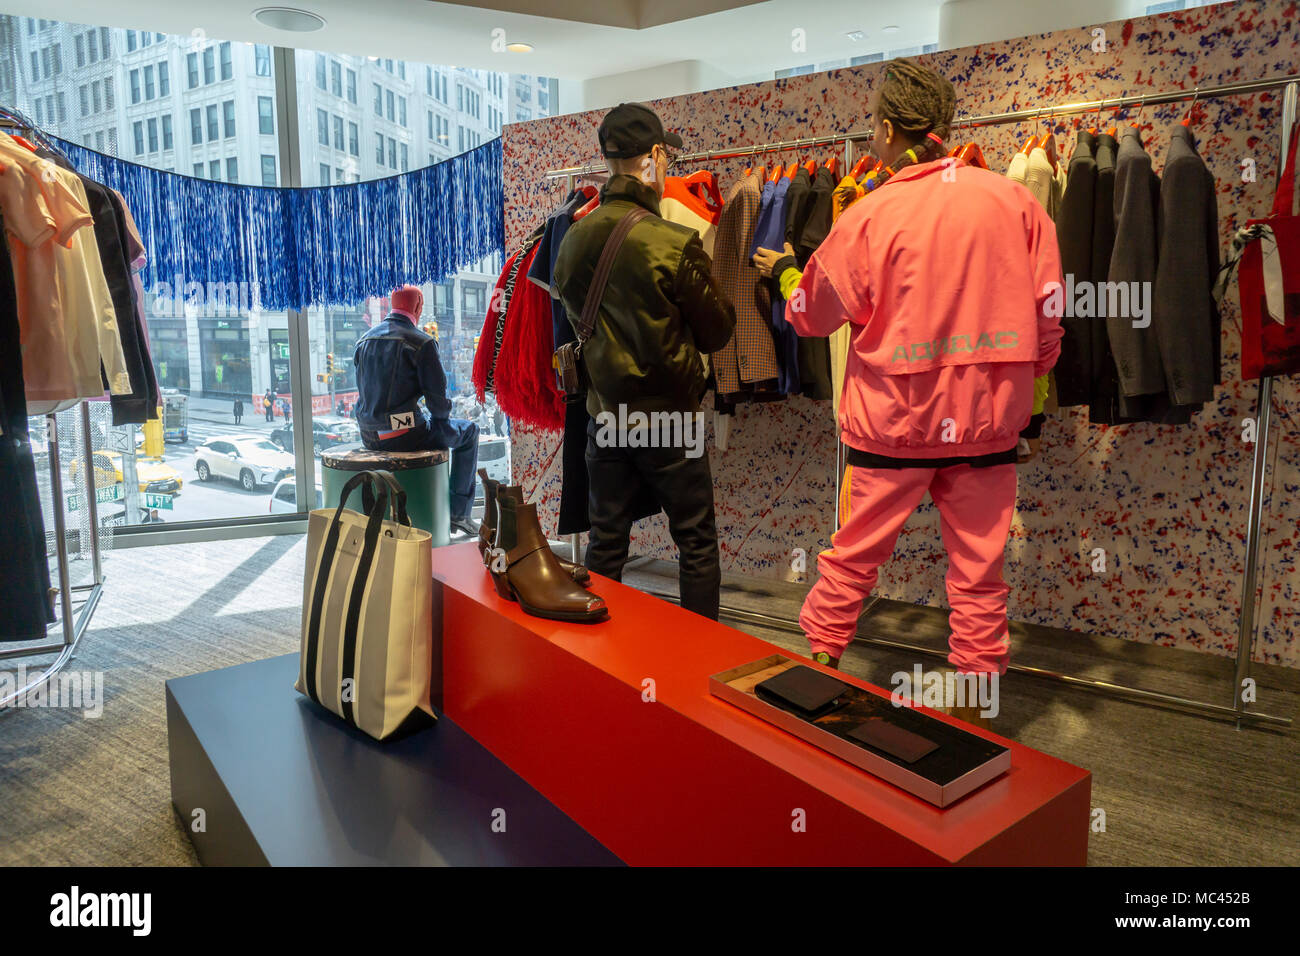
x,y
1167,504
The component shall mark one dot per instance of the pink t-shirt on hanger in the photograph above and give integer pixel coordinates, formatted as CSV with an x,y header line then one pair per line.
x,y
32,227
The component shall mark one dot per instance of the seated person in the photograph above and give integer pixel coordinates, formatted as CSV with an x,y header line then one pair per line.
x,y
396,364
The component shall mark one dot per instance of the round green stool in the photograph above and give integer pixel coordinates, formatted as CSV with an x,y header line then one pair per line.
x,y
423,475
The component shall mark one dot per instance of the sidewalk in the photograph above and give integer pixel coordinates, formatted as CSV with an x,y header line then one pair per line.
x,y
221,411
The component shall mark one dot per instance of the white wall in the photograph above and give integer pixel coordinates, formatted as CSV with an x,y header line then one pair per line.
x,y
670,79
971,22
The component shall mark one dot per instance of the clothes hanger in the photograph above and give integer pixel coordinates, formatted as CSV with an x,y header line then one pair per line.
x,y
972,154
833,164
1048,141
791,170
860,166
1187,120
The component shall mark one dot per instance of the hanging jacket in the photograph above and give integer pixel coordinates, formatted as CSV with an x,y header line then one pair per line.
x,y
1137,191
661,306
770,234
818,224
1074,233
1103,405
934,371
1185,319
749,355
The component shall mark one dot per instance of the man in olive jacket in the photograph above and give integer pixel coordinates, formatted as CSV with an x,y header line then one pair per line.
x,y
660,310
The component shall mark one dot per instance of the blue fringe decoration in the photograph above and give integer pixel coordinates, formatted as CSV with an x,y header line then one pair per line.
x,y
327,245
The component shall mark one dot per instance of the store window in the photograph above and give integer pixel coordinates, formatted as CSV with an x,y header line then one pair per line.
x,y
225,359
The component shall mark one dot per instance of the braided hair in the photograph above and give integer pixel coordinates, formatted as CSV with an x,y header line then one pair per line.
x,y
919,103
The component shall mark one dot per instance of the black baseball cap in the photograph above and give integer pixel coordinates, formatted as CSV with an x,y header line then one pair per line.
x,y
633,129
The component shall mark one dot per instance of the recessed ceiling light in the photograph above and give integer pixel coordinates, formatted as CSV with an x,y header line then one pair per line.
x,y
519,47
855,36
889,29
289,18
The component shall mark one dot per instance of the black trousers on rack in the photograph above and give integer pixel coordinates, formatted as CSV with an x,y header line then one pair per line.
x,y
25,607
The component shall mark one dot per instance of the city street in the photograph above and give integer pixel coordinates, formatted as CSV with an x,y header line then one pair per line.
x,y
217,497
222,497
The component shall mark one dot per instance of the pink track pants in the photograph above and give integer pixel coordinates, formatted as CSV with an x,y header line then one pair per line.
x,y
975,508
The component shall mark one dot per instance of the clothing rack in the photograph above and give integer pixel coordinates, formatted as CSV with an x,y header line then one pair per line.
x,y
73,628
1264,409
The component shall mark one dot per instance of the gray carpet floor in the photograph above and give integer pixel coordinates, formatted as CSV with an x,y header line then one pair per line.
x,y
1175,788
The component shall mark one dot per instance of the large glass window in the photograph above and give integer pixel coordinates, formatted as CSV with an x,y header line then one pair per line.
x,y
210,351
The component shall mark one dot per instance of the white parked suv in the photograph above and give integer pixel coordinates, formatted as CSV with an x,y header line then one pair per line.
x,y
284,499
251,461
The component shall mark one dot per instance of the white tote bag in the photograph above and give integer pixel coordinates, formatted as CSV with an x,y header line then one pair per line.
x,y
367,612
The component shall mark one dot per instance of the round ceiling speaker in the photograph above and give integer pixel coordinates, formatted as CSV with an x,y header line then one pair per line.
x,y
289,18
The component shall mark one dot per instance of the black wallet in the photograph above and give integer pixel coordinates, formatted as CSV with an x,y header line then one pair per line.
x,y
802,690
893,740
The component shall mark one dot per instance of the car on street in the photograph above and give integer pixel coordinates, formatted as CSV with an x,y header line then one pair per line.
x,y
154,477
325,433
284,499
250,460
494,458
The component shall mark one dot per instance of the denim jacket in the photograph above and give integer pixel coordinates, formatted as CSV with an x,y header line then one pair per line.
x,y
396,364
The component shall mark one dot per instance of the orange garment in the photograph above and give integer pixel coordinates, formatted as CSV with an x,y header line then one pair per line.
x,y
845,195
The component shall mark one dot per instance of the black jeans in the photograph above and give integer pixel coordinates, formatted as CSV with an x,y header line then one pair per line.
x,y
619,478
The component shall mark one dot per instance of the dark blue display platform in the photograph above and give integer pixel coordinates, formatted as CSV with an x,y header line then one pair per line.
x,y
283,782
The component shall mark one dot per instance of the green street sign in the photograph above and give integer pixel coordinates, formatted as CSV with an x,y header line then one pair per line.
x,y
163,502
102,496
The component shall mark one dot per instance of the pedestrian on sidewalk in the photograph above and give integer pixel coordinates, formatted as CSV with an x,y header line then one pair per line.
x,y
288,415
238,410
268,405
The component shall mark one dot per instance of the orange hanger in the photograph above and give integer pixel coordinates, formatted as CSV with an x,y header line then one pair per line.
x,y
791,170
1048,143
592,204
972,154
777,172
833,164
1187,120
22,141
704,186
811,166
860,166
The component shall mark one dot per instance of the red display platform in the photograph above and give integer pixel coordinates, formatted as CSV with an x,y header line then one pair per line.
x,y
686,778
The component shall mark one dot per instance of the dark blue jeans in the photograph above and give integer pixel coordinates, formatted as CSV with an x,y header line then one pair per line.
x,y
446,434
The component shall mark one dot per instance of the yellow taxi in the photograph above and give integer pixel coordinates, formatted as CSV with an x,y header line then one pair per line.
x,y
155,477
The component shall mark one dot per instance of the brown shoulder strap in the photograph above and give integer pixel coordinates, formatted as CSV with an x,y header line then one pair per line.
x,y
587,321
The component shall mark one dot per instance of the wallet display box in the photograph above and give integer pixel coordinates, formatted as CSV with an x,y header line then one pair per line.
x,y
960,763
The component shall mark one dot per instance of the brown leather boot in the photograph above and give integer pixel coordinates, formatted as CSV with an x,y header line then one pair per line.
x,y
488,528
530,573
578,572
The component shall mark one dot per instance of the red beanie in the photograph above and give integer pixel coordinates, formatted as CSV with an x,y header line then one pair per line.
x,y
408,301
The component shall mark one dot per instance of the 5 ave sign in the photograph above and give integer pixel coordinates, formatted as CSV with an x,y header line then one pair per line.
x,y
102,495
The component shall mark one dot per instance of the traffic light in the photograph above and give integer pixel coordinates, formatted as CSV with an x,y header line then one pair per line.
x,y
329,363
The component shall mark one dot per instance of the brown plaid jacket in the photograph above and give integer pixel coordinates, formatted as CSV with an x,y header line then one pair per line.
x,y
750,355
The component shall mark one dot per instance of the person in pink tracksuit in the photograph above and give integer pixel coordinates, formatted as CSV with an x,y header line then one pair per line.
x,y
943,272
